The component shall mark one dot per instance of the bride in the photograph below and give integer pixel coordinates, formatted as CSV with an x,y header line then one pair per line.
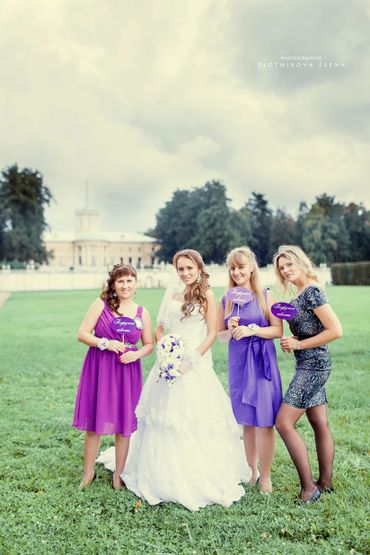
x,y
187,447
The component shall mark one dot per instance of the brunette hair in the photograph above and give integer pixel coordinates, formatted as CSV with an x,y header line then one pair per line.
x,y
238,257
196,294
109,294
295,254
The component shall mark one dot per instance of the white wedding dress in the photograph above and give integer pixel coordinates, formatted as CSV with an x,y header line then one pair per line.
x,y
187,448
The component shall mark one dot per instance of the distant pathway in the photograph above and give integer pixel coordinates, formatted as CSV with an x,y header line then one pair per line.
x,y
4,296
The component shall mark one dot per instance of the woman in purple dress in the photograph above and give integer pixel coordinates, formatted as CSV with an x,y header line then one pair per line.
x,y
254,377
111,377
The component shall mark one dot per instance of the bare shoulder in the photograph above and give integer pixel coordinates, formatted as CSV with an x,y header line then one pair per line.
x,y
209,295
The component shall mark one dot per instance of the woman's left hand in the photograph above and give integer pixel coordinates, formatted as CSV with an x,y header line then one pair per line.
x,y
289,343
129,356
242,331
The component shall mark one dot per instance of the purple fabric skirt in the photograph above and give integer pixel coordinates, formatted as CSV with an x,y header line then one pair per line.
x,y
108,394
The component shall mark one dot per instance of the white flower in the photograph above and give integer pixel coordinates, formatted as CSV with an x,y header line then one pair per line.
x,y
170,353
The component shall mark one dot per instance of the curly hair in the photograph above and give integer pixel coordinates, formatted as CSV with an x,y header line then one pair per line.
x,y
196,293
299,257
238,257
109,294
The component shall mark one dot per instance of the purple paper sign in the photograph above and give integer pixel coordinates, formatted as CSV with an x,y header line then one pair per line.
x,y
284,311
123,324
239,295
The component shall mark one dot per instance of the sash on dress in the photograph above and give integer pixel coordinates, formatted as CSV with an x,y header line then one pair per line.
x,y
257,357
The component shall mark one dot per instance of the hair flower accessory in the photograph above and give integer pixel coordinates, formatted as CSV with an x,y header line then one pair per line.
x,y
170,354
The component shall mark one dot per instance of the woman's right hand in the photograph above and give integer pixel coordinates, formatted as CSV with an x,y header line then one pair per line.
x,y
116,346
233,323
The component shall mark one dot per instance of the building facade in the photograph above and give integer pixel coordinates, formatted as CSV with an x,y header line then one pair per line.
x,y
88,247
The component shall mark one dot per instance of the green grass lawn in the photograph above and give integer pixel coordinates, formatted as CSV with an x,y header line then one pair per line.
x,y
42,511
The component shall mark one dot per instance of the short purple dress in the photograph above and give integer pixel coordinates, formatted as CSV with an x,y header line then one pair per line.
x,y
109,390
254,377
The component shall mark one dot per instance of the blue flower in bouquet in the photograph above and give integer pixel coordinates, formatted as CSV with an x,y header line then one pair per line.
x,y
170,354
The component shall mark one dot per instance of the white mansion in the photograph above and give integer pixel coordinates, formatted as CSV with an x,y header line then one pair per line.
x,y
88,247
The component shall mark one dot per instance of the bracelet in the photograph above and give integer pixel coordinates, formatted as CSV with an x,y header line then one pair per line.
x,y
299,347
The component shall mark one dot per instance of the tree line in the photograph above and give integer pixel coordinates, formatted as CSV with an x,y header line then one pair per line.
x,y
201,218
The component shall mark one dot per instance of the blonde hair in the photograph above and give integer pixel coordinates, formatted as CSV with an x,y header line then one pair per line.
x,y
296,255
196,294
237,257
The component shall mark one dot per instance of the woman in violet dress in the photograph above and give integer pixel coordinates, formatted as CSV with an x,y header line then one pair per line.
x,y
187,447
254,377
111,378
314,326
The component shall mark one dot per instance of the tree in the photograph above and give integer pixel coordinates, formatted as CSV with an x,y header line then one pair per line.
x,y
356,219
22,199
326,238
198,219
261,220
214,230
283,230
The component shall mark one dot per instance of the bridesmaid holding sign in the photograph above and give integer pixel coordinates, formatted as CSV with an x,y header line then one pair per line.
x,y
111,377
313,325
245,319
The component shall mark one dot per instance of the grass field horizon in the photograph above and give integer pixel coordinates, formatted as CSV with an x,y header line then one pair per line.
x,y
43,512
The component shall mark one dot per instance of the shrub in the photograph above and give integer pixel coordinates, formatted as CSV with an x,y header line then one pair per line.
x,y
351,273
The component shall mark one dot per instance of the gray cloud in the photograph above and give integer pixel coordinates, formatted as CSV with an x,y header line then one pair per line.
x,y
143,99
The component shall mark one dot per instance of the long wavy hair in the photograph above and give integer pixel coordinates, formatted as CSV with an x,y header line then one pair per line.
x,y
299,257
109,294
238,257
195,294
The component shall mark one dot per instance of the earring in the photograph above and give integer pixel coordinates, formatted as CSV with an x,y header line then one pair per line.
x,y
199,278
114,293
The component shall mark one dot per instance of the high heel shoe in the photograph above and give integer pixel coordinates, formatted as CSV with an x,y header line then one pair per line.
x,y
312,499
325,489
255,482
83,485
268,491
121,483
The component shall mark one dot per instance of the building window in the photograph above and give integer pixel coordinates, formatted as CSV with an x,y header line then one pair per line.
x,y
121,259
130,259
80,260
139,262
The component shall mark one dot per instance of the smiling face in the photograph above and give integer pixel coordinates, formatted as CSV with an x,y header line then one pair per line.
x,y
290,271
241,273
187,270
125,286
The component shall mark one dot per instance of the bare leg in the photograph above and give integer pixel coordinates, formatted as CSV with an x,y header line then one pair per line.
x,y
250,448
318,419
122,445
265,450
285,424
91,448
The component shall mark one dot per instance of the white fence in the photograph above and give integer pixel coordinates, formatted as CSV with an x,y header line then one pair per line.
x,y
44,280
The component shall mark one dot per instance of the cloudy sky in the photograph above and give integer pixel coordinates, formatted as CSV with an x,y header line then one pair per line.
x,y
141,97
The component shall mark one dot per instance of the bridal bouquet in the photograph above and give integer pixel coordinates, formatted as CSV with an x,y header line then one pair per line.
x,y
170,354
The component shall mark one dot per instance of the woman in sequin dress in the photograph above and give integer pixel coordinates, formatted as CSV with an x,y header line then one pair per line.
x,y
314,326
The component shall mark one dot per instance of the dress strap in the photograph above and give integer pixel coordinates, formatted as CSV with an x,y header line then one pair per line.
x,y
139,312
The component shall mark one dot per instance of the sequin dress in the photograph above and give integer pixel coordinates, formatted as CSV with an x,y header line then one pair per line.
x,y
313,366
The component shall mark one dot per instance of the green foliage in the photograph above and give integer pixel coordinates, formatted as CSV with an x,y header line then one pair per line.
x,y
43,513
22,199
201,219
351,273
198,219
